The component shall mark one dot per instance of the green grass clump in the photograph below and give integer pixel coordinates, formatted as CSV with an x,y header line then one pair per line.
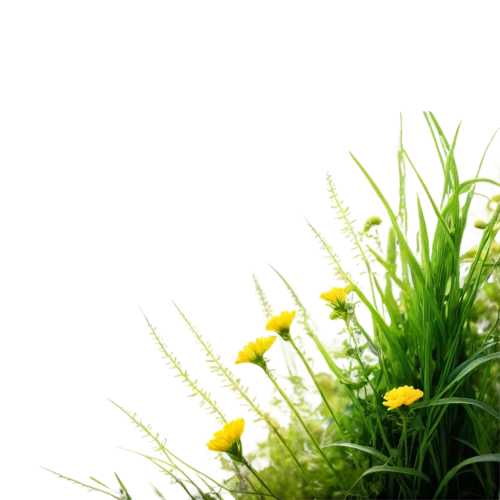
x,y
434,326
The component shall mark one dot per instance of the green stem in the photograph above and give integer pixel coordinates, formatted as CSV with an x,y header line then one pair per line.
x,y
254,472
236,387
260,497
375,393
184,488
308,432
243,482
323,397
345,381
296,460
329,361
405,443
327,404
330,409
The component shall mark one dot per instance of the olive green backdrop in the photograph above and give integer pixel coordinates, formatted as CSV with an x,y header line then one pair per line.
x,y
149,152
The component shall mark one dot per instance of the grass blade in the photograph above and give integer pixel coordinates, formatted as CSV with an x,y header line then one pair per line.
x,y
366,449
491,457
465,401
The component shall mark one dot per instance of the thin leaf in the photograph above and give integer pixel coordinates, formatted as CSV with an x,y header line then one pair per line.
x,y
471,366
490,457
366,449
465,401
397,470
444,226
464,186
469,444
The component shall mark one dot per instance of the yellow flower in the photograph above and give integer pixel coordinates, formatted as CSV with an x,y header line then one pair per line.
x,y
253,352
402,396
281,324
337,296
228,439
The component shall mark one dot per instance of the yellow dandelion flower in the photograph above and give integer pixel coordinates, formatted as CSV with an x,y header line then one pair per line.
x,y
337,296
401,396
281,324
228,439
253,352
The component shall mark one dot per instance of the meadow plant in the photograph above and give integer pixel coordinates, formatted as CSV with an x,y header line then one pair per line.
x,y
410,406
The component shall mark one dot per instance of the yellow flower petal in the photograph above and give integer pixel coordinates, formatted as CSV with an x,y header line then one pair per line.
x,y
227,436
336,296
401,396
253,352
281,324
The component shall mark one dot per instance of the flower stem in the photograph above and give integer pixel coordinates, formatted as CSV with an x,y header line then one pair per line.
x,y
375,393
405,444
254,472
327,404
221,369
299,418
296,460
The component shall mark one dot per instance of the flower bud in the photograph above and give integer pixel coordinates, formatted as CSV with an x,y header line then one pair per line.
x,y
480,224
374,220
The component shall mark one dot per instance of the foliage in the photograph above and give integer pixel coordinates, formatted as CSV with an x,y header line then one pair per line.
x,y
420,310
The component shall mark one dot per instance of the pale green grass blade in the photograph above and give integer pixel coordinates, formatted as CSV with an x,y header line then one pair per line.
x,y
79,483
465,186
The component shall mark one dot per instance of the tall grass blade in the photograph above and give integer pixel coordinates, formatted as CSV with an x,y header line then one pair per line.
x,y
491,457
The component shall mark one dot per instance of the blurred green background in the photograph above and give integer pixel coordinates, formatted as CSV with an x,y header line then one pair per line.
x,y
149,152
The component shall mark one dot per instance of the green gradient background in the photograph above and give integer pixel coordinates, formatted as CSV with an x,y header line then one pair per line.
x,y
153,152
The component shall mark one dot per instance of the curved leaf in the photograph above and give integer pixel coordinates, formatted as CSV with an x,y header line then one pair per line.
x,y
444,226
465,401
471,366
398,470
468,443
491,457
464,187
367,449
